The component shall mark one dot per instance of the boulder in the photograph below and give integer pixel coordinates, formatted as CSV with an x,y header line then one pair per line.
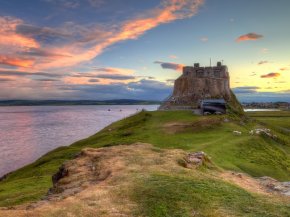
x,y
196,159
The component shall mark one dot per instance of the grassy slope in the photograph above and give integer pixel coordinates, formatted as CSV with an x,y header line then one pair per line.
x,y
181,196
255,155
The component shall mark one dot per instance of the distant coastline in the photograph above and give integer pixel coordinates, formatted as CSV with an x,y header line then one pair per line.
x,y
76,102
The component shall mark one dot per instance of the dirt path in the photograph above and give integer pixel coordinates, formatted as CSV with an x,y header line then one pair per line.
x,y
244,181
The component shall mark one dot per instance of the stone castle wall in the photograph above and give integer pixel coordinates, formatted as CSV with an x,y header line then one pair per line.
x,y
197,83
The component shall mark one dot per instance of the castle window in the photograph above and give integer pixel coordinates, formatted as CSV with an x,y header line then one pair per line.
x,y
216,74
199,73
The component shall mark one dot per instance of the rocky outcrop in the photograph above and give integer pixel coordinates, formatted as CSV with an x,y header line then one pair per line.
x,y
195,160
273,185
76,175
197,83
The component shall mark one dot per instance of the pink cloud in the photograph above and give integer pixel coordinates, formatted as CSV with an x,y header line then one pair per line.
x,y
249,37
11,40
112,70
101,38
104,76
23,47
173,66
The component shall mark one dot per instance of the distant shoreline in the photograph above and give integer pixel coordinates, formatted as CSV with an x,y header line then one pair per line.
x,y
76,102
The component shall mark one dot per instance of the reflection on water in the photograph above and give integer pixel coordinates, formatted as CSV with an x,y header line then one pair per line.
x,y
26,133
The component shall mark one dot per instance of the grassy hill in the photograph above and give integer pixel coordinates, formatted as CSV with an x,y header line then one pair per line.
x,y
257,155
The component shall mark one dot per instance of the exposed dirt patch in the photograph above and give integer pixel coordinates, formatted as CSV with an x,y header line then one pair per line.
x,y
245,181
94,182
76,175
98,181
177,127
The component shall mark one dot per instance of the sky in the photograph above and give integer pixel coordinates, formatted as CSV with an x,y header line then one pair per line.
x,y
128,49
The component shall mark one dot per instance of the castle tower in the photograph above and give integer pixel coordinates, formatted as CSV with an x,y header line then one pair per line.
x,y
197,83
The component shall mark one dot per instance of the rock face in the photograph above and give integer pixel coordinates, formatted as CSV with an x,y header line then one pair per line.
x,y
197,83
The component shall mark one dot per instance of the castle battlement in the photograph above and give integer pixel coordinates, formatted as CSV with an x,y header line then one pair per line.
x,y
218,71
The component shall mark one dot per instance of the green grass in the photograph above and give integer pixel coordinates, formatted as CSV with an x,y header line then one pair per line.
x,y
256,155
279,121
164,195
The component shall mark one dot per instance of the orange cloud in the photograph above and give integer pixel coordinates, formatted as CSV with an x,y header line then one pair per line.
x,y
169,11
81,43
12,61
283,69
9,38
17,40
111,70
271,75
249,37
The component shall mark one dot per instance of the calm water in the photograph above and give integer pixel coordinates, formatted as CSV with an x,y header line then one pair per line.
x,y
261,110
28,132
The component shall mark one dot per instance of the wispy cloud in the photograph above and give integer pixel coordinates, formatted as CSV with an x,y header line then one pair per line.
x,y
37,52
94,80
204,39
143,89
46,79
10,39
245,89
170,80
263,62
43,32
116,77
271,75
70,4
15,61
265,50
173,57
102,37
249,37
5,79
103,75
96,3
43,55
73,4
167,65
4,72
112,70
253,74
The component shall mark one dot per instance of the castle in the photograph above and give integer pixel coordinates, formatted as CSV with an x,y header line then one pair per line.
x,y
197,83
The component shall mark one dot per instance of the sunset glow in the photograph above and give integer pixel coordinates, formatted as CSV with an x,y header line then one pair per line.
x,y
127,49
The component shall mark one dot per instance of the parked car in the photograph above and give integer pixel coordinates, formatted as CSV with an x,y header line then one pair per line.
x,y
213,106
